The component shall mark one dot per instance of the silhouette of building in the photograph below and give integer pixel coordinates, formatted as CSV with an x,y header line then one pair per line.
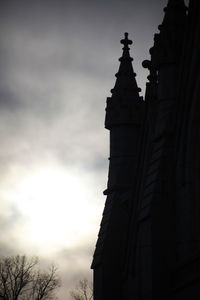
x,y
149,241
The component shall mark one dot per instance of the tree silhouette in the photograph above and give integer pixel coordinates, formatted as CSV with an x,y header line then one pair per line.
x,y
20,279
83,291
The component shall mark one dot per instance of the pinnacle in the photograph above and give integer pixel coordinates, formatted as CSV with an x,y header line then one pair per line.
x,y
176,3
176,6
126,85
175,13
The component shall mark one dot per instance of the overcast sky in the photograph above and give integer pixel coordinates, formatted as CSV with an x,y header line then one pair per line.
x,y
58,60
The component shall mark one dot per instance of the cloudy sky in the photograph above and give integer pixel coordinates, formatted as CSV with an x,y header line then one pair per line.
x,y
58,60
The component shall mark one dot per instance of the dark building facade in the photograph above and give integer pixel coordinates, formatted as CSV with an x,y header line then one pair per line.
x,y
148,246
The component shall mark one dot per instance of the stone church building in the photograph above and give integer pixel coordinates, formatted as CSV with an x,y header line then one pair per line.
x,y
148,246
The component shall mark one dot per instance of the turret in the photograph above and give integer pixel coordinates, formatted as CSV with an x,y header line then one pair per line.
x,y
124,117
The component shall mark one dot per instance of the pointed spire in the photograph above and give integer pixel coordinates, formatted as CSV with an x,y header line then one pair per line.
x,y
125,106
175,13
177,4
126,85
168,43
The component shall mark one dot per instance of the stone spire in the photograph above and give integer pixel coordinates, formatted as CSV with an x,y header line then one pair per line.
x,y
126,85
168,43
174,13
122,106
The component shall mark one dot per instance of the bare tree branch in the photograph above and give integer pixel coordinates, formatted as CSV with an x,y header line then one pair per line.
x,y
83,291
20,280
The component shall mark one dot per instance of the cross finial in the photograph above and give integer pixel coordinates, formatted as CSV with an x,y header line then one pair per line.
x,y
126,41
